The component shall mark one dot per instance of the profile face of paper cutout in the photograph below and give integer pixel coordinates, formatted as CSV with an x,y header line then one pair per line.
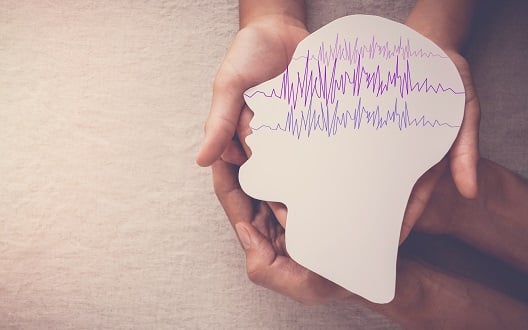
x,y
365,107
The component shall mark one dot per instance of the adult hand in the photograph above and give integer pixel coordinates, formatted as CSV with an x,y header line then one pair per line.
x,y
425,297
261,50
464,154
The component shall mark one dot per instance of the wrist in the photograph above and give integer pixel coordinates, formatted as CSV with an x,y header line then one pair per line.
x,y
498,212
274,21
429,298
289,12
410,305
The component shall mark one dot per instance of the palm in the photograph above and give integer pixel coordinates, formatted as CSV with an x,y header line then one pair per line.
x,y
259,52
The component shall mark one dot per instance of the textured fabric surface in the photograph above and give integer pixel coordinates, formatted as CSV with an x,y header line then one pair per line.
x,y
105,221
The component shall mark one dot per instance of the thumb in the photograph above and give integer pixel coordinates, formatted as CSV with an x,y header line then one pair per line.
x,y
282,274
463,163
259,253
222,121
464,153
419,198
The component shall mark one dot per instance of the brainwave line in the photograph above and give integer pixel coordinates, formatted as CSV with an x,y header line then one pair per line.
x,y
344,50
330,121
326,83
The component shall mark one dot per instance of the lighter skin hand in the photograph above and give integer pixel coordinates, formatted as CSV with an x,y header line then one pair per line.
x,y
246,64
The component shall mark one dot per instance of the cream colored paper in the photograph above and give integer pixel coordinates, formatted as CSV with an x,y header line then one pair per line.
x,y
365,107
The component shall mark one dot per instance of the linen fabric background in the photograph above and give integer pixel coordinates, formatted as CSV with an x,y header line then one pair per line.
x,y
105,220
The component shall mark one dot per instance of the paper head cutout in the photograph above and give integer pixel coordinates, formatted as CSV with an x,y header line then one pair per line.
x,y
364,108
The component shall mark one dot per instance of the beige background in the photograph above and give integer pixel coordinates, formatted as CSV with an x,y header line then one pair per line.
x,y
105,221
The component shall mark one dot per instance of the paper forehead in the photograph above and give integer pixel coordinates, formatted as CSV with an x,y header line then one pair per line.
x,y
365,106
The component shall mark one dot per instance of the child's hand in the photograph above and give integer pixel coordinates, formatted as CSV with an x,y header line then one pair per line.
x,y
261,50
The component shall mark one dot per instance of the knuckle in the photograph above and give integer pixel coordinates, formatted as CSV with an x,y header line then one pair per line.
x,y
205,125
221,83
218,190
227,125
254,274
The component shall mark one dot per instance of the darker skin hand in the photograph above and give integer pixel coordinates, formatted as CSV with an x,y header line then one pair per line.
x,y
260,228
425,297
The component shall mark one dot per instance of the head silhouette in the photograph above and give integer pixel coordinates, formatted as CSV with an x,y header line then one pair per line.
x,y
364,108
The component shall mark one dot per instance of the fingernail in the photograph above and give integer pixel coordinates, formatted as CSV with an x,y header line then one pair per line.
x,y
243,235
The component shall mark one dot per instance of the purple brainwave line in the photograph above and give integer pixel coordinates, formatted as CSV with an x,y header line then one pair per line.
x,y
325,84
330,123
347,51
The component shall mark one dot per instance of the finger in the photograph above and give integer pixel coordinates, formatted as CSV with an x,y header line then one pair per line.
x,y
265,222
237,151
223,117
243,129
234,153
419,197
282,274
237,205
464,153
280,211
